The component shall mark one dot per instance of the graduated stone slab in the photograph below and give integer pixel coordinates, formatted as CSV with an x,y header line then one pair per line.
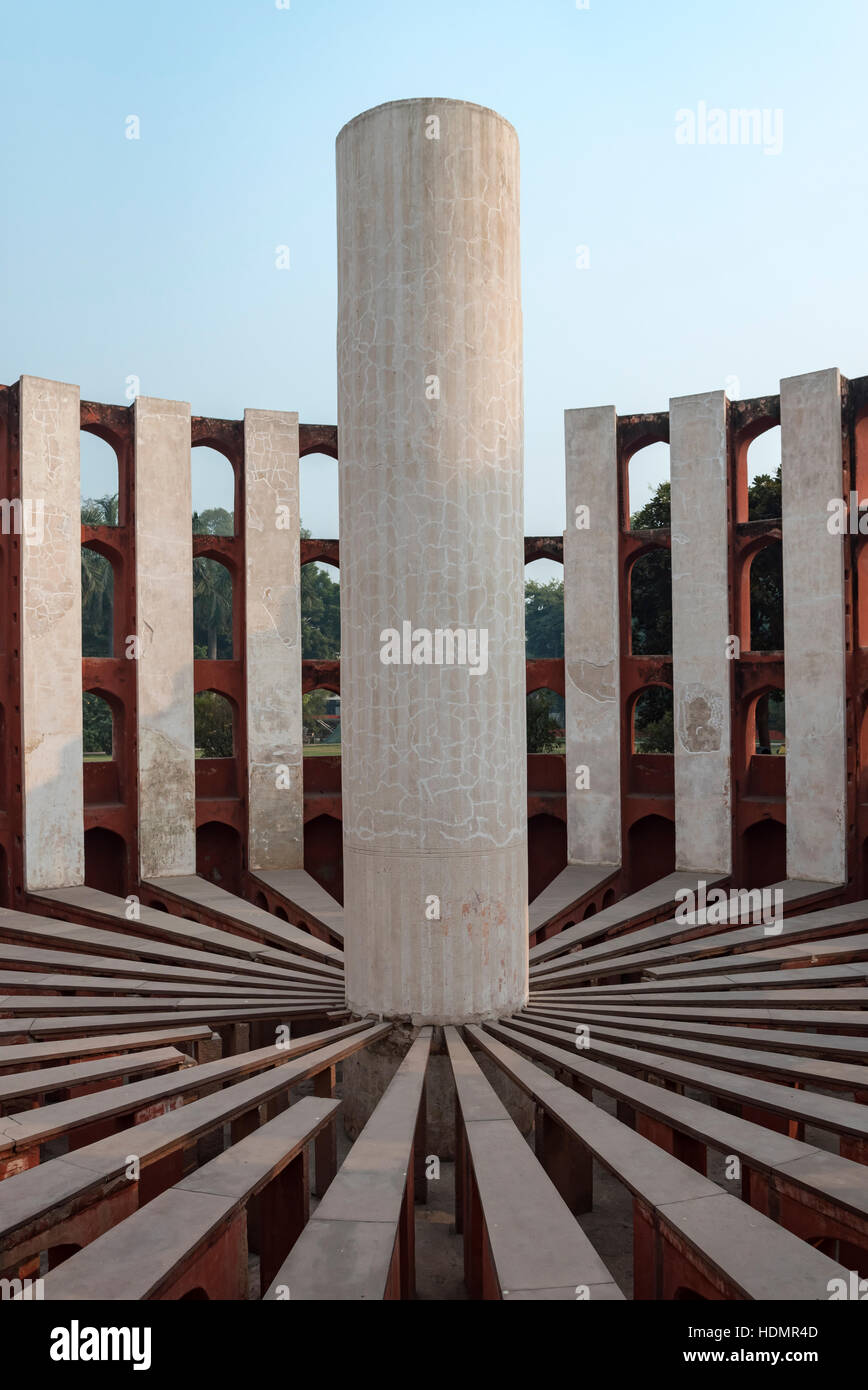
x,y
367,1074
190,888
301,889
184,938
648,903
571,884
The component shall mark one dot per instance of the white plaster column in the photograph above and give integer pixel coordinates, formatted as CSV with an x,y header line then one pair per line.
x,y
814,631
273,626
591,636
431,448
164,624
700,628
49,521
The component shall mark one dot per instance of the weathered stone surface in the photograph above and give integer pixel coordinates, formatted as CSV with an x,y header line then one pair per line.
x,y
51,633
430,428
700,627
164,670
814,628
273,630
591,637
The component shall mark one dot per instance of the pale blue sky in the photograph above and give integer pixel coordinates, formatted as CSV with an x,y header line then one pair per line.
x,y
155,257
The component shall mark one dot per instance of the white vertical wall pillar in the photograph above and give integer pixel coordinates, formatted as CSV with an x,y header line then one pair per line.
x,y
50,523
273,624
591,638
431,448
700,628
814,630
164,622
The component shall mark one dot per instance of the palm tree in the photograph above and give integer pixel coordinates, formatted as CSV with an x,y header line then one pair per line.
x,y
100,511
212,602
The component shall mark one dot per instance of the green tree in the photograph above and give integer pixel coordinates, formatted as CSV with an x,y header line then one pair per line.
x,y
653,730
320,613
212,719
313,707
214,521
212,608
656,511
97,580
651,604
545,722
544,619
651,584
97,603
100,511
764,496
96,724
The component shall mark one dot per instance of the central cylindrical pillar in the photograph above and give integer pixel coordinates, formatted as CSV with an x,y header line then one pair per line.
x,y
432,562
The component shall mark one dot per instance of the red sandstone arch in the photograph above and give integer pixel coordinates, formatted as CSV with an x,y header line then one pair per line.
x,y
324,854
105,861
635,559
546,851
651,846
761,415
764,853
219,855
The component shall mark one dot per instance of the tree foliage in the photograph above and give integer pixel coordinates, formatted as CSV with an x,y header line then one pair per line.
x,y
545,721
320,613
96,724
212,716
544,619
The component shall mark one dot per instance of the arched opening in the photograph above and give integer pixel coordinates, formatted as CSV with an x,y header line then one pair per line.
x,y
763,475
318,496
590,911
651,722
105,861
97,603
863,753
321,723
2,758
260,900
97,727
212,480
766,577
546,852
320,612
213,725
766,746
212,610
651,603
544,610
764,853
648,488
546,718
685,1295
197,1295
218,855
769,724
860,450
99,481
651,848
5,886
324,854
608,897
281,913
862,593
